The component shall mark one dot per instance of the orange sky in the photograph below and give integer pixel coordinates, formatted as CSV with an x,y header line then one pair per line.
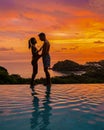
x,y
75,28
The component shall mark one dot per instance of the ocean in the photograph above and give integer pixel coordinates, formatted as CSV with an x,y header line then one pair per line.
x,y
24,69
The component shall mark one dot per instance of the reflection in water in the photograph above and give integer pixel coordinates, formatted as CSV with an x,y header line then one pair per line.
x,y
41,117
64,107
35,113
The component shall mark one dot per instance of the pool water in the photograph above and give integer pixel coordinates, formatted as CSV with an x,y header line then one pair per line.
x,y
63,107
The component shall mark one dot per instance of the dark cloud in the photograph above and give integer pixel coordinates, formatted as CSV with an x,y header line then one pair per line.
x,y
76,3
10,34
74,48
102,52
63,48
23,17
30,5
6,49
27,5
7,4
14,34
102,29
97,6
99,42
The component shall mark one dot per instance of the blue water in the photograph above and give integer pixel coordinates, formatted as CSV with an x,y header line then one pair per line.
x,y
64,107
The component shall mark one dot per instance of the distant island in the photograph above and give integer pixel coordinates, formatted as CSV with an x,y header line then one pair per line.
x,y
68,65
93,73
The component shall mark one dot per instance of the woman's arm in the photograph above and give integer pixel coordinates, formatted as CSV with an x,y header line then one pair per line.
x,y
40,48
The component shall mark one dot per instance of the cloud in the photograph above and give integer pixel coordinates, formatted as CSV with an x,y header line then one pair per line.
x,y
63,48
75,3
99,42
97,6
6,49
7,4
11,34
14,56
15,34
102,29
74,48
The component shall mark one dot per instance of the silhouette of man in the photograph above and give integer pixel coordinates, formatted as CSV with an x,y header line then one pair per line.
x,y
45,57
41,117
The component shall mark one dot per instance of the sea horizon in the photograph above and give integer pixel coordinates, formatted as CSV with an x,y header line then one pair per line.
x,y
24,67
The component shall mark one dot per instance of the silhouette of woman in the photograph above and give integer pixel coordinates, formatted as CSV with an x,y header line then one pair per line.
x,y
36,113
41,117
35,56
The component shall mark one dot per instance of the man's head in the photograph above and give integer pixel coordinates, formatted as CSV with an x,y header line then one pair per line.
x,y
42,36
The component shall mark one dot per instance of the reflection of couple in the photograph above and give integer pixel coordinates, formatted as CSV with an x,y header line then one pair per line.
x,y
35,56
41,116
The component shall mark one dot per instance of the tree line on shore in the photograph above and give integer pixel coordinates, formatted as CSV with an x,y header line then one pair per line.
x,y
94,73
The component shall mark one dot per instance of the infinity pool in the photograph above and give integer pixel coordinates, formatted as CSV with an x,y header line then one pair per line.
x,y
64,107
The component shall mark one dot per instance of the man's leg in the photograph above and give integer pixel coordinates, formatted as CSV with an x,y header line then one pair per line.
x,y
48,79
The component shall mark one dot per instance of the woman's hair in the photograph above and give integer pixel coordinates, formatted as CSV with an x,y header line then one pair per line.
x,y
31,41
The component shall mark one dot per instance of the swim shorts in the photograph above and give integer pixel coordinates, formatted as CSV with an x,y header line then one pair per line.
x,y
46,61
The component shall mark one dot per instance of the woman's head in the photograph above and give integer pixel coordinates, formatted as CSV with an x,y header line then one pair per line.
x,y
32,41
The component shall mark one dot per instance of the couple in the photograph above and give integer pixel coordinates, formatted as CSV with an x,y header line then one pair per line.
x,y
35,57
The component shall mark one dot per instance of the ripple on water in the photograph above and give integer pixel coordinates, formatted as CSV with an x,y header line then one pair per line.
x,y
74,106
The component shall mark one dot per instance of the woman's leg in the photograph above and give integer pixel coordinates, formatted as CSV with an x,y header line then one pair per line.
x,y
35,71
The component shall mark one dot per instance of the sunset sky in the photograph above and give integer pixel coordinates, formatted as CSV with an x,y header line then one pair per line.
x,y
75,28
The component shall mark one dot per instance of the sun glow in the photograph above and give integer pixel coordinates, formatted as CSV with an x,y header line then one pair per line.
x,y
70,27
